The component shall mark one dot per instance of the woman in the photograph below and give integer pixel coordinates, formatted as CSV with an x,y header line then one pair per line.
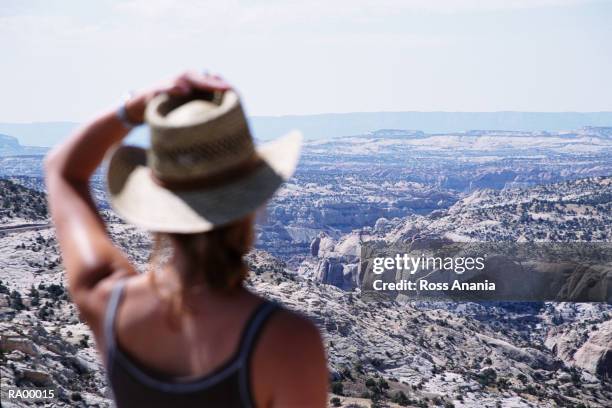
x,y
187,332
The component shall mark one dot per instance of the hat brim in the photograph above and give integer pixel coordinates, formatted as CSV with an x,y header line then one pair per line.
x,y
138,199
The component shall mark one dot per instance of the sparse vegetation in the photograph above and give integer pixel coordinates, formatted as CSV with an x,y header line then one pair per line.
x,y
20,202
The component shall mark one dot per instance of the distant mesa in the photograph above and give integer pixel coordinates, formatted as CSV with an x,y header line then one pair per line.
x,y
10,146
9,143
601,131
44,134
331,125
403,133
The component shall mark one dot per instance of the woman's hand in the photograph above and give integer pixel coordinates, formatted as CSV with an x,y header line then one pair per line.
x,y
181,85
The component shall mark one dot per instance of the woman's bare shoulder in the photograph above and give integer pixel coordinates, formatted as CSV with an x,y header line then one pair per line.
x,y
291,337
288,323
291,359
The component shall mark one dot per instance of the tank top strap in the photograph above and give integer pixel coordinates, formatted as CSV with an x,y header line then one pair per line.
x,y
248,342
109,318
254,327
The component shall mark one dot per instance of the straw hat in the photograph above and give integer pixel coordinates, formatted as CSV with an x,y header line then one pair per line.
x,y
202,169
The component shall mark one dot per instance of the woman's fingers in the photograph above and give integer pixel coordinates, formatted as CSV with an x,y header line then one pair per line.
x,y
180,87
205,82
189,81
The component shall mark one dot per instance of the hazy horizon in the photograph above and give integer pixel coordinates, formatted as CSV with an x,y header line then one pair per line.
x,y
328,125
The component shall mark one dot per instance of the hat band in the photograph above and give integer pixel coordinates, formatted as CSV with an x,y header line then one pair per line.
x,y
223,177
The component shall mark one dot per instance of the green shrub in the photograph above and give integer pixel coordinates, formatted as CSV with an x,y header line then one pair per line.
x,y
15,301
401,398
337,388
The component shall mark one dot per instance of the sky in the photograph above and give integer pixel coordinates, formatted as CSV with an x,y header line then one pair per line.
x,y
64,60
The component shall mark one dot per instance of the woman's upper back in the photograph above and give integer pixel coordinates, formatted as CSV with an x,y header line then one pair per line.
x,y
143,376
232,350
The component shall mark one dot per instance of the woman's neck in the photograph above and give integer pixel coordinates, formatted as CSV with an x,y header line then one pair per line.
x,y
170,282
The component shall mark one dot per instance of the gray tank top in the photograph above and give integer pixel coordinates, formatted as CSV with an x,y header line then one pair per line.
x,y
228,386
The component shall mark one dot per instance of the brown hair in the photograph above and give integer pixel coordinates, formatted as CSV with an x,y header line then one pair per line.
x,y
214,259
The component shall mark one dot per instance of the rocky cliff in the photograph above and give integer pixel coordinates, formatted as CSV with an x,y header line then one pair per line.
x,y
380,352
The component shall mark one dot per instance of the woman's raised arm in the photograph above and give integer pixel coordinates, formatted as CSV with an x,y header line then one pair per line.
x,y
91,260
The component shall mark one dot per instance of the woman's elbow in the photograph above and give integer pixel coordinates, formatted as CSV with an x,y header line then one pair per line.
x,y
54,164
50,162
